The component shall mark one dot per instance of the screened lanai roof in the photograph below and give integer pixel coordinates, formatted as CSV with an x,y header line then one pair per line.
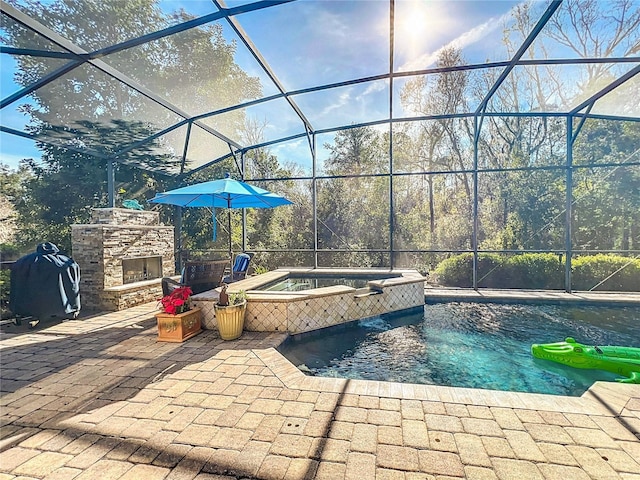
x,y
144,78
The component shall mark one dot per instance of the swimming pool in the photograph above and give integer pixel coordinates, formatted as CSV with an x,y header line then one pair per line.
x,y
476,345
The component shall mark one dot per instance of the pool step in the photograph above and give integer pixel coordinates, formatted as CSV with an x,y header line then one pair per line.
x,y
366,292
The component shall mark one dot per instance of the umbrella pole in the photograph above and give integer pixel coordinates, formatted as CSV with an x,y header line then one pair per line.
x,y
230,254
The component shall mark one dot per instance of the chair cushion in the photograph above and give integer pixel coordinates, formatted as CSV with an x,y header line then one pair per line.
x,y
241,263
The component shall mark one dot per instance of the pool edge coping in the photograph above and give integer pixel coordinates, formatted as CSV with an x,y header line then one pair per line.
x,y
458,294
602,398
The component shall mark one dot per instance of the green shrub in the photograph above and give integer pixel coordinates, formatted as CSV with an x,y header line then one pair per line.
x,y
260,269
534,271
527,270
5,276
490,271
455,271
9,251
589,270
5,287
540,271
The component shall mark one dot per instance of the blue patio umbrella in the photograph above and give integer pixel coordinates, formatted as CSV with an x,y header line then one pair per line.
x,y
224,193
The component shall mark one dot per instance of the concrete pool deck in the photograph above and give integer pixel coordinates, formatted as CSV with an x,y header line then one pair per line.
x,y
530,296
101,398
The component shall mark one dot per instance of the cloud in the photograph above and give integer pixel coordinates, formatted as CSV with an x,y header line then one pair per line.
x,y
374,87
295,153
343,99
347,97
291,145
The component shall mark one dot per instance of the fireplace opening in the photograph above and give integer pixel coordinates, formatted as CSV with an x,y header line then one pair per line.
x,y
140,269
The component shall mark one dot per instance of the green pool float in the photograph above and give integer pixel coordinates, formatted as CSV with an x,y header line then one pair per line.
x,y
621,360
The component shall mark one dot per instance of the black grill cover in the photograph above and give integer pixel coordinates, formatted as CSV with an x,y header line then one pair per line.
x,y
45,284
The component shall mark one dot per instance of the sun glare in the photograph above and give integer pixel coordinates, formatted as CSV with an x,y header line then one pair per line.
x,y
414,26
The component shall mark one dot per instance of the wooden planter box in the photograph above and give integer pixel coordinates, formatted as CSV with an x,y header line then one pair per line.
x,y
179,327
230,320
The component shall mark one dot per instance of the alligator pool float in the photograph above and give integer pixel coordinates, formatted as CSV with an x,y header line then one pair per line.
x,y
621,360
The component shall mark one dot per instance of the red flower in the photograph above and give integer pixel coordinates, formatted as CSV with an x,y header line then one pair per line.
x,y
177,301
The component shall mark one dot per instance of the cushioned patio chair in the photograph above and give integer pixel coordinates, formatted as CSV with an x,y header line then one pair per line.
x,y
200,276
240,267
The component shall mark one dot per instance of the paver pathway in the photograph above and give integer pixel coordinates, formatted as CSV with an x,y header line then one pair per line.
x,y
102,399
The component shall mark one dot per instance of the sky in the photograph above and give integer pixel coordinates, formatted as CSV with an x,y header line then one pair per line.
x,y
313,42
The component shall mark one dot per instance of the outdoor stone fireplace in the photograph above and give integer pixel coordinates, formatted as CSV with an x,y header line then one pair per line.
x,y
123,255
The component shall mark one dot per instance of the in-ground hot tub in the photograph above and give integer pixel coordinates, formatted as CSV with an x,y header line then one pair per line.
x,y
302,281
300,310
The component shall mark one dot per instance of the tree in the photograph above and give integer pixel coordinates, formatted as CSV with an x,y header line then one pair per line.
x,y
528,206
356,151
607,199
11,190
442,144
597,29
286,229
90,111
353,211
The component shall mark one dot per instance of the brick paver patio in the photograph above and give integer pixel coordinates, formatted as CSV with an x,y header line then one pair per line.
x,y
102,399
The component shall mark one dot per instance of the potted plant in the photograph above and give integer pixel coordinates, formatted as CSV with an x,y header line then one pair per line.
x,y
178,321
230,310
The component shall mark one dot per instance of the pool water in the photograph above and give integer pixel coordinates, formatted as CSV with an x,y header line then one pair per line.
x,y
476,345
296,284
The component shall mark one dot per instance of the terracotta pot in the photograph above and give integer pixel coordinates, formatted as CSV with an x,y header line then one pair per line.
x,y
179,327
230,319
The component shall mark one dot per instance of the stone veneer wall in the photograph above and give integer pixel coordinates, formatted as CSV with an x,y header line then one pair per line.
x,y
330,306
113,235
